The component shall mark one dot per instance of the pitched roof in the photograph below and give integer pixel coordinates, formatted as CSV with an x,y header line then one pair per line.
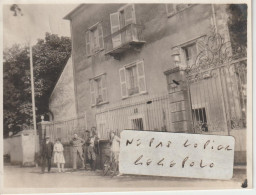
x,y
70,14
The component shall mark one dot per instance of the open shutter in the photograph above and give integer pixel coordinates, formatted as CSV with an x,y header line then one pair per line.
x,y
123,82
104,88
88,43
115,26
101,40
141,77
129,14
92,90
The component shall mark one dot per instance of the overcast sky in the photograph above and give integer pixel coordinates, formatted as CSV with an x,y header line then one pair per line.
x,y
35,22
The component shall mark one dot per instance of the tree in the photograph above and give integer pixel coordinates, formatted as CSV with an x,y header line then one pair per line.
x,y
49,58
237,23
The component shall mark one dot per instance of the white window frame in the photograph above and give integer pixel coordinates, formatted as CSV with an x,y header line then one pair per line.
x,y
181,47
94,93
99,39
139,77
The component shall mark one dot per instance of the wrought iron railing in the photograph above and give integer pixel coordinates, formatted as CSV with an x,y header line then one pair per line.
x,y
129,33
217,81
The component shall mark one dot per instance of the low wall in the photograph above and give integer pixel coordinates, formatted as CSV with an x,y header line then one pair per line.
x,y
240,146
7,146
21,148
16,152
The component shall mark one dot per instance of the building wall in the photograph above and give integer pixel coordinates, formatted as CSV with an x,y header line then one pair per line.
x,y
161,33
62,100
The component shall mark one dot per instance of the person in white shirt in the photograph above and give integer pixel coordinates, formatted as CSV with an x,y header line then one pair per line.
x,y
115,150
58,155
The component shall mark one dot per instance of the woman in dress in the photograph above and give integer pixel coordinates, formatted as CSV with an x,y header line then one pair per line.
x,y
58,155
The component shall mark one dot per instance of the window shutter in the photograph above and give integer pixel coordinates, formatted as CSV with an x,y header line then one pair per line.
x,y
129,14
193,53
141,77
92,90
123,82
170,9
101,40
104,88
115,26
88,43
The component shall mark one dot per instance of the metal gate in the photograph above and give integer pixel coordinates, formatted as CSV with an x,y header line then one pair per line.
x,y
217,87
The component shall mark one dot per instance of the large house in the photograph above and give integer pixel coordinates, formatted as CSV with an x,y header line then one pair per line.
x,y
161,67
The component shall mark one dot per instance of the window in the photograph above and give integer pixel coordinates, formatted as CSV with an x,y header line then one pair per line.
x,y
120,19
190,54
94,39
200,118
98,90
137,124
136,121
132,79
172,9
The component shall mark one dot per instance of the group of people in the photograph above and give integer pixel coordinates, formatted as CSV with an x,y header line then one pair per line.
x,y
87,149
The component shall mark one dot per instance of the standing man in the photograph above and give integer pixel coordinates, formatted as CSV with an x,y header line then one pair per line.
x,y
93,149
46,153
77,144
86,145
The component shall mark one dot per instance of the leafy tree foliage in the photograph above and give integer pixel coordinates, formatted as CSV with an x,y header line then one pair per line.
x,y
49,58
237,23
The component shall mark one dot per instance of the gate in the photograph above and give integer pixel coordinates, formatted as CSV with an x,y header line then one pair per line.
x,y
217,87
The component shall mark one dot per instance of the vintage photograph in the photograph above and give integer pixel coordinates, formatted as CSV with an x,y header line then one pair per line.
x,y
126,96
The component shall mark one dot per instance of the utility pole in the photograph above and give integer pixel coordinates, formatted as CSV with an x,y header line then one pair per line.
x,y
17,11
32,91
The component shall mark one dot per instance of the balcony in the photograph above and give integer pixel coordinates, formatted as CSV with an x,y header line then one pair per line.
x,y
128,37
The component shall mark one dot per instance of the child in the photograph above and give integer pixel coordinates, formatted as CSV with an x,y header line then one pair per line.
x,y
58,155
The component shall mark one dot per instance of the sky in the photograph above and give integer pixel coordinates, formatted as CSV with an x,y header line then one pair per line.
x,y
36,21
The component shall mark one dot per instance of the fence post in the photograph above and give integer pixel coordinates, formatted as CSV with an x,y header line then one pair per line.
x,y
41,126
179,99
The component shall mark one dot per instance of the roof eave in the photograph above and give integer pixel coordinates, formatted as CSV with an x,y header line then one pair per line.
x,y
70,14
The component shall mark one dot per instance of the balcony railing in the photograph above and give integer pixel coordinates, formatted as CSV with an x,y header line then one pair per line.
x,y
127,37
